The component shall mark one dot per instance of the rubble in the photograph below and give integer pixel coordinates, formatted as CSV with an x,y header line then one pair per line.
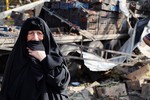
x,y
113,86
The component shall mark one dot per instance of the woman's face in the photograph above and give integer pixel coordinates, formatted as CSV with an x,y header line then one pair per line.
x,y
35,35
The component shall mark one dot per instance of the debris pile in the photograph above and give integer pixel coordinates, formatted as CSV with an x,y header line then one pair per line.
x,y
134,85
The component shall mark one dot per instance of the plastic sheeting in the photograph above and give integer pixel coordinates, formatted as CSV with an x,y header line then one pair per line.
x,y
96,63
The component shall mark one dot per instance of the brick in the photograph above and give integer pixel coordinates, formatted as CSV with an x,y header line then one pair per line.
x,y
133,85
115,90
146,91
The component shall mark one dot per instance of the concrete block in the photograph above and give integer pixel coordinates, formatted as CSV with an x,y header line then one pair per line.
x,y
114,90
133,85
146,91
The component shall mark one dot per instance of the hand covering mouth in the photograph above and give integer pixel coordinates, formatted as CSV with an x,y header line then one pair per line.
x,y
36,45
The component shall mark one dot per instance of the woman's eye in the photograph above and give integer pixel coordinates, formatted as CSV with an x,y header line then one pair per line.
x,y
39,33
31,33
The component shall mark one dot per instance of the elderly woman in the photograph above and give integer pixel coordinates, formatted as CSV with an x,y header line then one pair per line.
x,y
35,69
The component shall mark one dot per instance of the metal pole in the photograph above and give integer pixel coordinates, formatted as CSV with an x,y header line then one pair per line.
x,y
7,4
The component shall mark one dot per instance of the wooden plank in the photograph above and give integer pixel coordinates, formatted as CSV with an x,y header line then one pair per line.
x,y
140,74
69,39
87,34
104,32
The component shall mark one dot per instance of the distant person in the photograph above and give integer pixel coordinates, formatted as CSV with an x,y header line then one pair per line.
x,y
146,39
143,19
145,7
35,70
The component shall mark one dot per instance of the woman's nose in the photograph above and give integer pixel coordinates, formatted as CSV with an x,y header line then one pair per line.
x,y
35,37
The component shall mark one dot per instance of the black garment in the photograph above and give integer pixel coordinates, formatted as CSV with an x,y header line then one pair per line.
x,y
140,27
25,79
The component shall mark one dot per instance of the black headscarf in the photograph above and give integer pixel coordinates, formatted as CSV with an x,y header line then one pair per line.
x,y
18,60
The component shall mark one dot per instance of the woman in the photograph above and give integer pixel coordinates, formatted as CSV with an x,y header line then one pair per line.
x,y
35,69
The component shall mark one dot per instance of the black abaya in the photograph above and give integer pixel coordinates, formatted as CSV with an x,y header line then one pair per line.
x,y
26,79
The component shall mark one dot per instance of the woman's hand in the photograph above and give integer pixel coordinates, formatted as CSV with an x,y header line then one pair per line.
x,y
40,55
